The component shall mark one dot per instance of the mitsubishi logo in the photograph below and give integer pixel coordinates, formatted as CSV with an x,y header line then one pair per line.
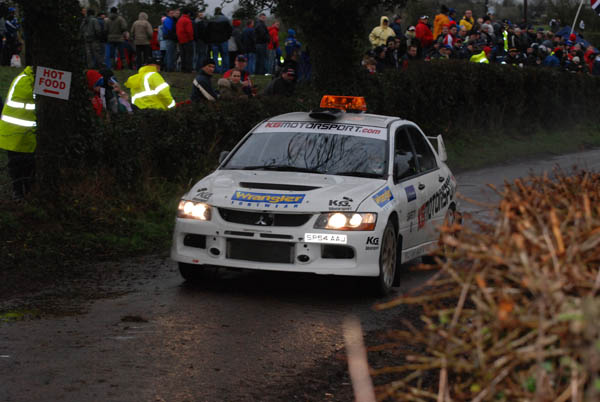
x,y
264,220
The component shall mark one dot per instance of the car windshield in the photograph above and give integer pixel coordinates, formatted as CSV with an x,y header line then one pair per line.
x,y
320,153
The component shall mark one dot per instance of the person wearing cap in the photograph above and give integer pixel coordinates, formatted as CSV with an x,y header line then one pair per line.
x,y
380,34
18,132
411,36
440,21
240,64
513,58
467,20
149,89
283,85
423,33
202,89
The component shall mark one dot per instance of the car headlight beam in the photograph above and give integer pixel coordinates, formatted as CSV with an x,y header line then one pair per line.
x,y
194,210
346,221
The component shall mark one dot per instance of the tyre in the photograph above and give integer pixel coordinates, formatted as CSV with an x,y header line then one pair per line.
x,y
452,216
387,261
189,272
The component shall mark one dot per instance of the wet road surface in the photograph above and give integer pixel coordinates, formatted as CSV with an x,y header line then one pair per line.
x,y
241,336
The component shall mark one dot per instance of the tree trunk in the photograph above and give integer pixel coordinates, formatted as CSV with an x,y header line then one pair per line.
x,y
53,40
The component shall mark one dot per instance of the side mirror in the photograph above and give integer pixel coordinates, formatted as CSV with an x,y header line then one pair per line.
x,y
441,149
222,156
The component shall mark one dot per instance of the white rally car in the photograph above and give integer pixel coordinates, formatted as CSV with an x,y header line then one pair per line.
x,y
335,191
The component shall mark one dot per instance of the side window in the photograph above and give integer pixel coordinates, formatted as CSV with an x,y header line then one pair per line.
x,y
425,156
404,156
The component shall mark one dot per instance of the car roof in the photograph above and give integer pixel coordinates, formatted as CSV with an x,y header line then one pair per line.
x,y
365,119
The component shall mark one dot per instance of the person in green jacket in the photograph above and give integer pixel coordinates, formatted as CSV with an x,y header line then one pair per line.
x,y
18,132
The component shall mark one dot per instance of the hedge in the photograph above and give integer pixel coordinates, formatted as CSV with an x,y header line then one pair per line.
x,y
453,98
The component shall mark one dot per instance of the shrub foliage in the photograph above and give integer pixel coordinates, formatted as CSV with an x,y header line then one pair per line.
x,y
451,98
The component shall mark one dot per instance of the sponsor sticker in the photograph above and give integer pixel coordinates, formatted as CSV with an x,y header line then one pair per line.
x,y
411,194
340,205
383,197
202,196
326,127
325,238
267,198
372,243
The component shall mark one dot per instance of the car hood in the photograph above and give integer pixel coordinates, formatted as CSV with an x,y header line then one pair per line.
x,y
286,191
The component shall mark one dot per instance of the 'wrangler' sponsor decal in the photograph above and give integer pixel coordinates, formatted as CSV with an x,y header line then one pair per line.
x,y
247,196
383,197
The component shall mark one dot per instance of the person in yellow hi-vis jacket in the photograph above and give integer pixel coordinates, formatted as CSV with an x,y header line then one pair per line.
x,y
17,132
148,88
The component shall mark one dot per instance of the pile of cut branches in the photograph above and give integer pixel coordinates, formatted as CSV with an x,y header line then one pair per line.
x,y
514,314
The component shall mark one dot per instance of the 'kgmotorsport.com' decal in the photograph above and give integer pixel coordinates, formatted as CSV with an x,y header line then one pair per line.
x,y
383,197
439,200
343,128
266,199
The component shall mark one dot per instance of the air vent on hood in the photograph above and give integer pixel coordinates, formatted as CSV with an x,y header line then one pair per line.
x,y
275,186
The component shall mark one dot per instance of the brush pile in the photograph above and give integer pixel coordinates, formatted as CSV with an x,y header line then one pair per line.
x,y
514,314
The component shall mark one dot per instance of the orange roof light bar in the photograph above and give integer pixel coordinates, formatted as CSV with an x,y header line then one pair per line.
x,y
344,102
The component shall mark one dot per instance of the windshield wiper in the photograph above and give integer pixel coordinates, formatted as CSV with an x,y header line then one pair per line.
x,y
360,174
280,168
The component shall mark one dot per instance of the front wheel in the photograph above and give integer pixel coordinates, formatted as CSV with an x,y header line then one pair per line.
x,y
189,272
387,260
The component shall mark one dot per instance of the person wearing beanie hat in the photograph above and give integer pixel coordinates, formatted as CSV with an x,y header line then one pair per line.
x,y
202,89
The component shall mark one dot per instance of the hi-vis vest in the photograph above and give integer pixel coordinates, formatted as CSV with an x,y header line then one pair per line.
x,y
149,90
480,58
505,38
18,121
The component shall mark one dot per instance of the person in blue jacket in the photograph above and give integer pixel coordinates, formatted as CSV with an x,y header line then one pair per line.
x,y
291,43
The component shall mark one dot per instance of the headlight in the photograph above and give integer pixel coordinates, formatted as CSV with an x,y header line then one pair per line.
x,y
194,210
346,221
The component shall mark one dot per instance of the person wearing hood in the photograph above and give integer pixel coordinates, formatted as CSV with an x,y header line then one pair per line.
x,y
18,132
115,27
291,43
149,89
141,34
440,21
380,34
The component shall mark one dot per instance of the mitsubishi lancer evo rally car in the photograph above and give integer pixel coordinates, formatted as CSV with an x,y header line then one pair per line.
x,y
336,191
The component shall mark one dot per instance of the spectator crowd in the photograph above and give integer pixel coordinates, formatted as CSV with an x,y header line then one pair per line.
x,y
450,35
191,42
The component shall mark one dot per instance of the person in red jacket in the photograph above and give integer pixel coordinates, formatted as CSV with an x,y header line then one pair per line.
x,y
273,47
185,36
423,33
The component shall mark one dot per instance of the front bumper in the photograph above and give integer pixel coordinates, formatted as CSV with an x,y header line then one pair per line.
x,y
274,248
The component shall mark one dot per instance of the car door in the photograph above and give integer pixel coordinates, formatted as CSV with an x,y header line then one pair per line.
x,y
408,187
430,180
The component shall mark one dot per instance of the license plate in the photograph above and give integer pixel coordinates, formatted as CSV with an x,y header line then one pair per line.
x,y
325,238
